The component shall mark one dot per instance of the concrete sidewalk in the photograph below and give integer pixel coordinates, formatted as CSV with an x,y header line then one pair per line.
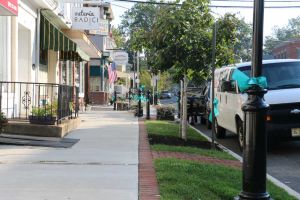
x,y
102,165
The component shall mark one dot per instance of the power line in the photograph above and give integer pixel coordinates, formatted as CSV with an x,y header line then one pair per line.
x,y
148,2
212,6
270,1
120,6
270,7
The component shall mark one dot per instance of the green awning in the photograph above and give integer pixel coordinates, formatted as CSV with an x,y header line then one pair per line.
x,y
51,38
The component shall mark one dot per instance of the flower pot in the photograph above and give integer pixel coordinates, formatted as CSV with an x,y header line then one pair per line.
x,y
43,120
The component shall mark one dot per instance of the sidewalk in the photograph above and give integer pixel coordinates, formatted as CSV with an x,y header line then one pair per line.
x,y
102,165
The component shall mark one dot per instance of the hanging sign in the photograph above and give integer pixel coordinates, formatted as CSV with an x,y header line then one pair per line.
x,y
120,57
8,7
103,30
86,18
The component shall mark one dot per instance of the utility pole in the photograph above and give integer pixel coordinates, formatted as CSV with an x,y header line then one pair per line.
x,y
255,108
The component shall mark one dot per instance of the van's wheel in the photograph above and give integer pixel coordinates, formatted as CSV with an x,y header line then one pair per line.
x,y
220,132
240,133
208,124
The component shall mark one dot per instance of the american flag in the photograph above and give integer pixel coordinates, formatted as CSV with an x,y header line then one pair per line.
x,y
112,73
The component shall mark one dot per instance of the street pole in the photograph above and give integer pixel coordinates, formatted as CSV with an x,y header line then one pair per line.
x,y
138,69
140,110
148,105
115,100
213,130
255,108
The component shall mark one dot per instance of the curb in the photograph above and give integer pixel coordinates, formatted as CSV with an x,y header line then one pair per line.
x,y
275,181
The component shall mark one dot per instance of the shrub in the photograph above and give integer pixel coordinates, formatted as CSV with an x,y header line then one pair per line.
x,y
165,113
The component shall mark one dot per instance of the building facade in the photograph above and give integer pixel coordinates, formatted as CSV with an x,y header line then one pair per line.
x,y
289,49
43,61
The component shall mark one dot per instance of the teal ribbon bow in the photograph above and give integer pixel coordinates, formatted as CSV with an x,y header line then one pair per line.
x,y
245,82
216,110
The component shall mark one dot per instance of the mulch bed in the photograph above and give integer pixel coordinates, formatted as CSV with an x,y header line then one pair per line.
x,y
174,141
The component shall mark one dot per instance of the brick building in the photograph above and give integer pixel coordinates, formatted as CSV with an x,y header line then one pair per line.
x,y
288,49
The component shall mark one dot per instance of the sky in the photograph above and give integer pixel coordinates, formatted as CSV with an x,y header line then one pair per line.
x,y
272,17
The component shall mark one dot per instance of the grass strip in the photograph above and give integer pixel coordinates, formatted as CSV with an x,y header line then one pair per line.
x,y
185,180
193,150
167,128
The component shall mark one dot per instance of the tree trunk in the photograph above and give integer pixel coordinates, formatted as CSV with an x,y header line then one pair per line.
x,y
184,107
180,111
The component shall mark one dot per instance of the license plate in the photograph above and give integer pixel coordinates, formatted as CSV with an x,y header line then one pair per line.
x,y
295,132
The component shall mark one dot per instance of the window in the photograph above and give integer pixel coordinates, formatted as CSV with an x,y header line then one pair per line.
x,y
281,75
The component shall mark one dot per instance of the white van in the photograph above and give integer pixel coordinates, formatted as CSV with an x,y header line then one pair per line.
x,y
283,96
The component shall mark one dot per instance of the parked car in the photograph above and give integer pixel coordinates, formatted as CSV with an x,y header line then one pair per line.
x,y
165,95
283,117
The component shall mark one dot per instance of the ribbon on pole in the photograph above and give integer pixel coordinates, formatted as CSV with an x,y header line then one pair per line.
x,y
245,82
216,110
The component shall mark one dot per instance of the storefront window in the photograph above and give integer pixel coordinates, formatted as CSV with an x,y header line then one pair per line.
x,y
63,76
95,84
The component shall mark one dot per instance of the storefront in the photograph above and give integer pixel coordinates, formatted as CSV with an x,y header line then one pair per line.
x,y
8,9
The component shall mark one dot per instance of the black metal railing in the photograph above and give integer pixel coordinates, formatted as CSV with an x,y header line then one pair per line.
x,y
20,100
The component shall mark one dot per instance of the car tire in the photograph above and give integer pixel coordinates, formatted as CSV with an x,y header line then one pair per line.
x,y
240,133
208,124
220,131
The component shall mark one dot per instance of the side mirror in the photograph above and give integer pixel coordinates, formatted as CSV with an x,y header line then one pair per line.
x,y
226,86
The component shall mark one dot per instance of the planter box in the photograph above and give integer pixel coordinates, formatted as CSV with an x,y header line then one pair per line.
x,y
122,106
43,120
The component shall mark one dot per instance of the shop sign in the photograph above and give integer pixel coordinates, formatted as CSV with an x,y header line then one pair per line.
x,y
86,18
103,28
120,57
8,7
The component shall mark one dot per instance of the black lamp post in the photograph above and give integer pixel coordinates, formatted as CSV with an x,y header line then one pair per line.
x,y
254,141
140,109
148,105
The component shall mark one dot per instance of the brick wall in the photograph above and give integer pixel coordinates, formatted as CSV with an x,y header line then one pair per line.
x,y
288,50
99,98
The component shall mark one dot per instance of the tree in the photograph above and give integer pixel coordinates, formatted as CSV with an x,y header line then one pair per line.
x,y
136,25
242,36
118,37
291,30
182,39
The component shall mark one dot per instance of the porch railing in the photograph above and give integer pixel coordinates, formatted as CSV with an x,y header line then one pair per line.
x,y
19,100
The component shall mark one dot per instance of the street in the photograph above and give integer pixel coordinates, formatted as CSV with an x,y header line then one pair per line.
x,y
283,160
172,102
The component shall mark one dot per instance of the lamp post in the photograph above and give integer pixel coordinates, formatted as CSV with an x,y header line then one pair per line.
x,y
255,108
138,69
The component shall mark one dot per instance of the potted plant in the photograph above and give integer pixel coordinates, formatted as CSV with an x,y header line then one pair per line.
x,y
45,115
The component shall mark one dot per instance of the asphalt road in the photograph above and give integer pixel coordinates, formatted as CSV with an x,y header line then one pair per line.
x,y
283,160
